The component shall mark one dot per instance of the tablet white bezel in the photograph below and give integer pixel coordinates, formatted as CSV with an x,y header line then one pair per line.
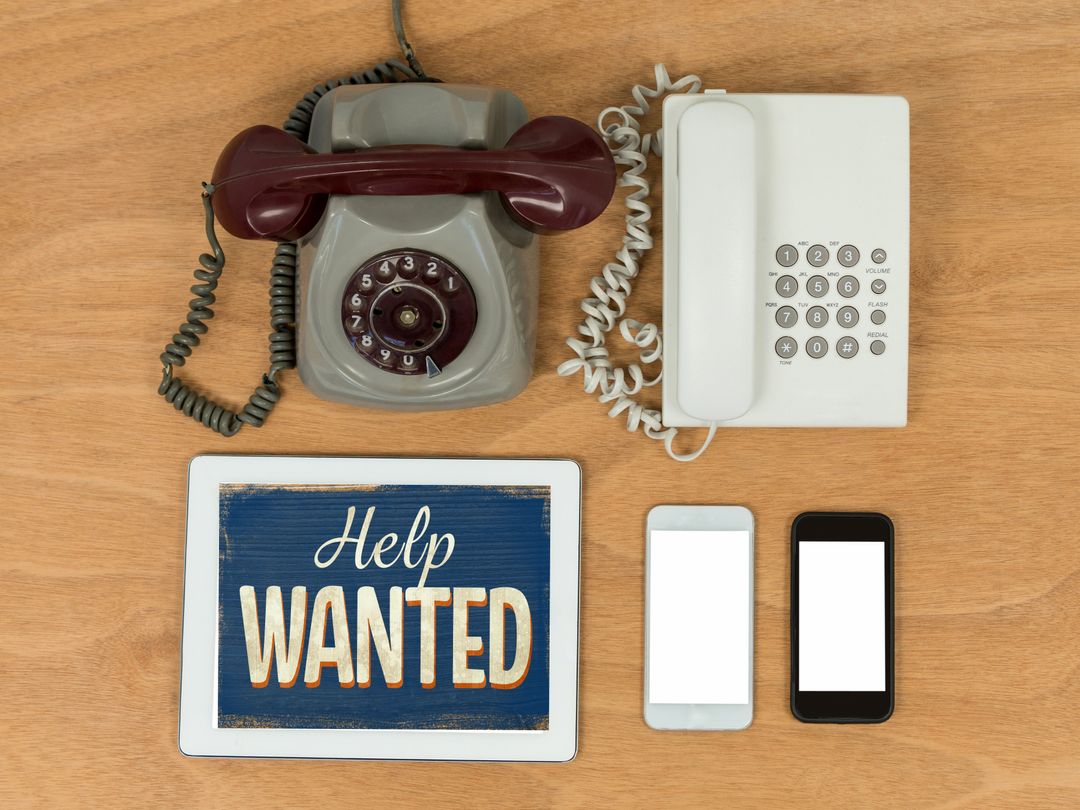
x,y
199,735
699,716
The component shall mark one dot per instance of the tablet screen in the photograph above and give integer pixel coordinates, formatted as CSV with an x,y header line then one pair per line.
x,y
421,607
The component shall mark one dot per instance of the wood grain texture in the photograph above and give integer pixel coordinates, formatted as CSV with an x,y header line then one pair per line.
x,y
115,111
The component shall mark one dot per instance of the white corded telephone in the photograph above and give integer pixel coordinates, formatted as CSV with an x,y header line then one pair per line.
x,y
785,262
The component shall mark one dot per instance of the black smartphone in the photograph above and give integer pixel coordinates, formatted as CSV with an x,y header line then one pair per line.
x,y
842,617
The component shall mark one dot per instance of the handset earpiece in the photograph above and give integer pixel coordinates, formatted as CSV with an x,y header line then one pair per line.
x,y
554,174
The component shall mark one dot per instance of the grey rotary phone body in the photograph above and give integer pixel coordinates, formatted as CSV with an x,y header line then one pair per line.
x,y
388,285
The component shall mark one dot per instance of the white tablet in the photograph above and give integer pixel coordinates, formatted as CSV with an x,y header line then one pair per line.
x,y
377,608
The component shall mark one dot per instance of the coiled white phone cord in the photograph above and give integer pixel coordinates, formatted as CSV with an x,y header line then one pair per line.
x,y
606,307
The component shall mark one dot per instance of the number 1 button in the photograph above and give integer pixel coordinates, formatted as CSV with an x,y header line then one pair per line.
x,y
786,255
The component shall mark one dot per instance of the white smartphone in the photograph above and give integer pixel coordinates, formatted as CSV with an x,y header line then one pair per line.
x,y
699,618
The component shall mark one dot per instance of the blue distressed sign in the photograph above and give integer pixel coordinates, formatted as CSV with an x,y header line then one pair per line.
x,y
383,607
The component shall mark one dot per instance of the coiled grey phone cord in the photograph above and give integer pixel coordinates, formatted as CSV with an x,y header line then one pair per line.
x,y
606,307
201,408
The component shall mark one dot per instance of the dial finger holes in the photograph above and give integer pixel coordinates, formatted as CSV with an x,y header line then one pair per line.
x,y
417,312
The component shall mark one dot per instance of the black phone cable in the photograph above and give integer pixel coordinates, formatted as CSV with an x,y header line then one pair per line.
x,y
185,399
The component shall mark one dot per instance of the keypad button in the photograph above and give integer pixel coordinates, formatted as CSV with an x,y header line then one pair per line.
x,y
878,256
878,286
877,316
357,302
817,286
847,347
356,324
817,347
786,255
366,283
817,317
848,286
787,286
787,317
877,347
818,256
847,317
848,255
786,347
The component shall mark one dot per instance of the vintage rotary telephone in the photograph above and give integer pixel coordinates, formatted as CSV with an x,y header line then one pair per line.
x,y
408,224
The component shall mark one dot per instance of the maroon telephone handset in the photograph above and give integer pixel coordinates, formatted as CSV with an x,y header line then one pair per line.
x,y
554,174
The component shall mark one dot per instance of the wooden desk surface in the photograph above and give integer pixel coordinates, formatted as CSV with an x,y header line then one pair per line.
x,y
115,111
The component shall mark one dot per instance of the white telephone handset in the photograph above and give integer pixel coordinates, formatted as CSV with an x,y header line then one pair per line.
x,y
785,263
715,244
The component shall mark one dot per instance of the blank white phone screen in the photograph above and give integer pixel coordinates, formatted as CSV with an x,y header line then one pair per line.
x,y
699,617
841,616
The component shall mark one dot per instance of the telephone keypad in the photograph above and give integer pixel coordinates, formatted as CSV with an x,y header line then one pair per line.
x,y
408,311
817,317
